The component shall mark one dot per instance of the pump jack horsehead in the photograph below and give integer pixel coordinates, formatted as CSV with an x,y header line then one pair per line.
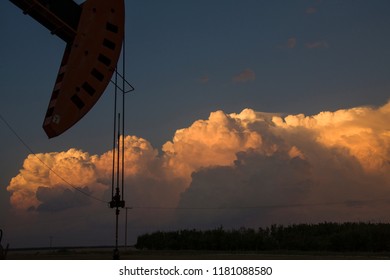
x,y
3,252
93,32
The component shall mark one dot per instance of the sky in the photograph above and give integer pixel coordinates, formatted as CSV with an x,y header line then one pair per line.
x,y
245,113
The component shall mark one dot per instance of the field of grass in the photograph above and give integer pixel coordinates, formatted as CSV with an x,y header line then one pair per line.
x,y
105,253
324,241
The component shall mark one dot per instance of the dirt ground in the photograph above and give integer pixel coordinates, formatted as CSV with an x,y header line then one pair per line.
x,y
133,254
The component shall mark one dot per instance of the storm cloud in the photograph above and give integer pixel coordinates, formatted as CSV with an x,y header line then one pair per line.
x,y
239,169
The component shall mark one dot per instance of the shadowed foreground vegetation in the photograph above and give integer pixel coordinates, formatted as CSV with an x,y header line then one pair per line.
x,y
331,237
368,241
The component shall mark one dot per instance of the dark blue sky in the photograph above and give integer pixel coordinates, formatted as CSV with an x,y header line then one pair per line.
x,y
307,56
189,58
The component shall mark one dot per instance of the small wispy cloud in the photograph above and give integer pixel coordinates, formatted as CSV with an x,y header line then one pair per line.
x,y
245,76
291,42
311,10
204,79
317,45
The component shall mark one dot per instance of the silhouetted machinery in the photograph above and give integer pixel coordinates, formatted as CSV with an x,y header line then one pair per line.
x,y
93,32
94,35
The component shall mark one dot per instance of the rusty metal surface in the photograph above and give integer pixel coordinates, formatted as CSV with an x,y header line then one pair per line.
x,y
87,66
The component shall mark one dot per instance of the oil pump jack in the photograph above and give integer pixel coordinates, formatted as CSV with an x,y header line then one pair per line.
x,y
94,33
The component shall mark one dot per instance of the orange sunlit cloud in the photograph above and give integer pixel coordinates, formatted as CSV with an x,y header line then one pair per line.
x,y
363,132
246,159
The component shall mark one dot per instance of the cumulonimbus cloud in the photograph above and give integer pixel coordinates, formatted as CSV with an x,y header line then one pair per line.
x,y
330,166
338,160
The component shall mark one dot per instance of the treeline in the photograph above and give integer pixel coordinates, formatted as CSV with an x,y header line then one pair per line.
x,y
345,237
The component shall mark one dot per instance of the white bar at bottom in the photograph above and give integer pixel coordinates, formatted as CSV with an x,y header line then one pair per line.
x,y
197,269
